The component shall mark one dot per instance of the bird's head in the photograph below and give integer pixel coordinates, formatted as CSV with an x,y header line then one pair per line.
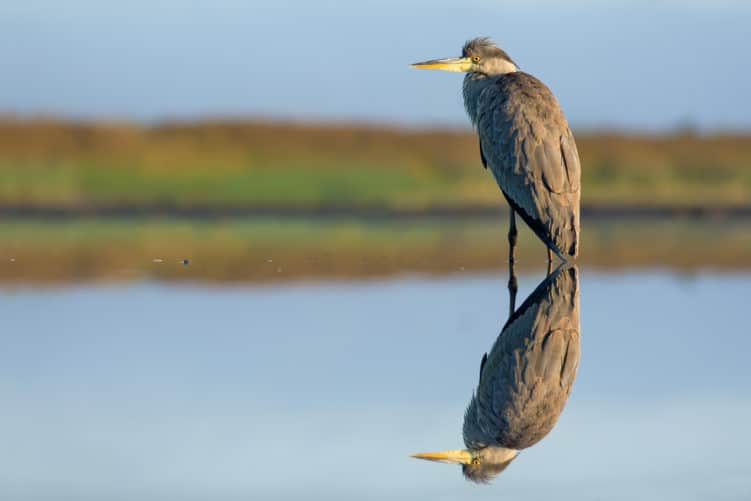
x,y
478,465
479,55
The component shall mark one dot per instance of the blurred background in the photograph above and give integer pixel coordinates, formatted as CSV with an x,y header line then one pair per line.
x,y
194,193
222,131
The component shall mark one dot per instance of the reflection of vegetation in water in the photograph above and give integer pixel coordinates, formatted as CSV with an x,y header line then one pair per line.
x,y
235,250
215,163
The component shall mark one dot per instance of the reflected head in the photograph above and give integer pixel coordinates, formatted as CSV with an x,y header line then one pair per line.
x,y
482,471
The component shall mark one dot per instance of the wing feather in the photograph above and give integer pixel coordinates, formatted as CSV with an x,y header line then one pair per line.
x,y
531,151
528,374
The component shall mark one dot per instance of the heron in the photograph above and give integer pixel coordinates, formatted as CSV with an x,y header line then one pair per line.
x,y
525,141
525,380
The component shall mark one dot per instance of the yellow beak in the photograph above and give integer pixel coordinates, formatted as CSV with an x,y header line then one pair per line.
x,y
457,456
458,64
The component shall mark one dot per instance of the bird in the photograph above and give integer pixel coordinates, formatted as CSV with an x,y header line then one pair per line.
x,y
525,141
525,379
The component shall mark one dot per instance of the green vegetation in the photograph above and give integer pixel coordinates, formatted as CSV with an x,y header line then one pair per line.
x,y
267,250
215,164
246,164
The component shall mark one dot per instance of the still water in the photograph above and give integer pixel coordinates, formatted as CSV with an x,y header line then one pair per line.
x,y
149,391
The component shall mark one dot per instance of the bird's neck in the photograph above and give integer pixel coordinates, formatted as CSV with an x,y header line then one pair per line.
x,y
474,84
498,455
476,436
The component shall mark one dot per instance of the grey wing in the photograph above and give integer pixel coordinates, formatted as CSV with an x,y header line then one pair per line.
x,y
530,370
531,151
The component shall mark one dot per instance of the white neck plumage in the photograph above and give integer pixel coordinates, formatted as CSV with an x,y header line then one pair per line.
x,y
502,67
498,455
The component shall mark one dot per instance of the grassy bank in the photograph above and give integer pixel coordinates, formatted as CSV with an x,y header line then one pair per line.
x,y
265,251
252,163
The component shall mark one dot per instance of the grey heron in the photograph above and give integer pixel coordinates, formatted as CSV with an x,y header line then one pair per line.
x,y
525,380
525,141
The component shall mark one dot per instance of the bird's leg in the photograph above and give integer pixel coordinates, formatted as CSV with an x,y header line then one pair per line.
x,y
512,284
511,235
512,288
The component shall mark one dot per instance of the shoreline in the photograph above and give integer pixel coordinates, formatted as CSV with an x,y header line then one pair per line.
x,y
336,212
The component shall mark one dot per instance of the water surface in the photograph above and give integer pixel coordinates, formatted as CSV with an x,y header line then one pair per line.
x,y
321,390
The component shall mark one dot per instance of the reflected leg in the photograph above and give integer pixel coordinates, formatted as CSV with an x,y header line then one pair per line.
x,y
511,234
512,288
512,284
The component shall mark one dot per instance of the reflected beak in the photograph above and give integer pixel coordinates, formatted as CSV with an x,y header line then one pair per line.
x,y
458,64
458,456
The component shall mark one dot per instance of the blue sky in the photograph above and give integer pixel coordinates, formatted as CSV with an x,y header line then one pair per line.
x,y
640,64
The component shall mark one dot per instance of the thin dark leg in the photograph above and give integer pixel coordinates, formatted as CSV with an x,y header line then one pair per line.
x,y
511,235
512,288
512,284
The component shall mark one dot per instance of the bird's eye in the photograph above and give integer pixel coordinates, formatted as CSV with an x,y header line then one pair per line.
x,y
475,59
475,461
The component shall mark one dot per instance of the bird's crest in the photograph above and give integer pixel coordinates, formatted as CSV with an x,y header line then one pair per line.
x,y
484,46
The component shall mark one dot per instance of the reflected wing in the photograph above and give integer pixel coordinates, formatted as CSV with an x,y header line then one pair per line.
x,y
529,147
530,370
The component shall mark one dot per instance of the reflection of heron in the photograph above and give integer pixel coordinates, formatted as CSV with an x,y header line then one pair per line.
x,y
524,380
526,142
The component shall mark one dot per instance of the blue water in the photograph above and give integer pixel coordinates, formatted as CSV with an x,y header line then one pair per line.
x,y
321,390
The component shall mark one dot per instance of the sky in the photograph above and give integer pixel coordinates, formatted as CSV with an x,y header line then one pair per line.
x,y
643,64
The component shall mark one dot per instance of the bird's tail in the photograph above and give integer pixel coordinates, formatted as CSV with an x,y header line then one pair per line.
x,y
573,235
564,233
